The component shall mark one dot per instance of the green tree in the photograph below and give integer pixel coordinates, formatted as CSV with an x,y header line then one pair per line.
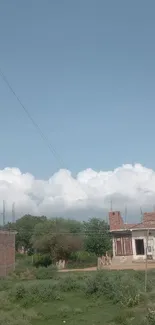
x,y
57,238
25,228
97,236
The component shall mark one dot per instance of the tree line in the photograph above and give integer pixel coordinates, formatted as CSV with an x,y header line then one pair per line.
x,y
61,238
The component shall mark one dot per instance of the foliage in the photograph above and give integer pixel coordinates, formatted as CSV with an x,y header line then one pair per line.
x,y
97,236
23,263
36,292
46,272
25,227
82,259
11,314
70,283
42,260
54,237
75,242
116,287
107,297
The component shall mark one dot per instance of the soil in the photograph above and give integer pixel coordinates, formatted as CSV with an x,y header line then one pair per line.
x,y
132,266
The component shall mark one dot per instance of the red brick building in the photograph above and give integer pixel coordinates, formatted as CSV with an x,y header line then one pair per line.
x,y
7,252
130,240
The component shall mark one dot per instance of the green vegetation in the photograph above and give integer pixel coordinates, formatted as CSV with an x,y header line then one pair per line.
x,y
36,293
78,243
42,295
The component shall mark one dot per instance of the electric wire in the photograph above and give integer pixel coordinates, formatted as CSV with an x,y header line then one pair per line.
x,y
39,130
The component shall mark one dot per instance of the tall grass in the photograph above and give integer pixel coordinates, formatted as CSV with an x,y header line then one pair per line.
x,y
115,286
34,292
125,288
11,314
122,288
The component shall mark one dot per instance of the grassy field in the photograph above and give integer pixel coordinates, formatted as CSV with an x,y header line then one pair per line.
x,y
45,296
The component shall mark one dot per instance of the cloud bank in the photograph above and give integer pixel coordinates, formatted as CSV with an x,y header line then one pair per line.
x,y
88,194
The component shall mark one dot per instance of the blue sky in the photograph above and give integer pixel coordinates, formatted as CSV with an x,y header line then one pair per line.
x,y
86,72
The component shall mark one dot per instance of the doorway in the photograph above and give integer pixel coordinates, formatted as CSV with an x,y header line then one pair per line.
x,y
139,243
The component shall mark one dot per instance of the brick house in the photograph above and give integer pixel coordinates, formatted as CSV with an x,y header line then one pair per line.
x,y
7,252
131,240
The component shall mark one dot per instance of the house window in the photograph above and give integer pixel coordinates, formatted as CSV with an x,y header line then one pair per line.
x,y
139,243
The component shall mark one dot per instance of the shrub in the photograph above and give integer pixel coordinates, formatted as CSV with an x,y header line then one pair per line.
x,y
116,286
33,292
42,260
70,283
4,284
150,317
82,259
20,256
46,273
124,318
22,264
20,291
27,275
17,316
64,311
5,303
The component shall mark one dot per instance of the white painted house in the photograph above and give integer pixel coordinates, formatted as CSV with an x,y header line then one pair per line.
x,y
131,240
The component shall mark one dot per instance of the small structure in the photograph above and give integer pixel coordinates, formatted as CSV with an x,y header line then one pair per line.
x,y
103,261
61,264
7,252
130,240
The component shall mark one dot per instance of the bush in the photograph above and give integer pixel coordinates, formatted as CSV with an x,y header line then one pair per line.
x,y
5,303
17,316
70,283
119,288
20,291
150,317
23,262
82,259
42,260
29,293
4,284
27,275
20,256
46,273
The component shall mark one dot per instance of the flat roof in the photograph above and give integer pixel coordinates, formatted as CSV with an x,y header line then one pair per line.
x,y
7,232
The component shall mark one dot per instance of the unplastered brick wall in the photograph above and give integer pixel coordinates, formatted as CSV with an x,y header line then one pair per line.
x,y
7,252
149,216
115,220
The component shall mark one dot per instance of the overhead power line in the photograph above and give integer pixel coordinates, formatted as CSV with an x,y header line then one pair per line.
x,y
38,129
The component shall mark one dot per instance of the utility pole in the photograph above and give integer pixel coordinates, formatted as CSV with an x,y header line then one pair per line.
x,y
141,212
13,213
111,205
3,213
147,237
125,216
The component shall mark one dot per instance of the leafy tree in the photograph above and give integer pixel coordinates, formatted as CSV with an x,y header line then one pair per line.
x,y
25,228
54,237
97,236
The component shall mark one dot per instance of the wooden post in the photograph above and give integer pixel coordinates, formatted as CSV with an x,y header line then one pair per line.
x,y
147,237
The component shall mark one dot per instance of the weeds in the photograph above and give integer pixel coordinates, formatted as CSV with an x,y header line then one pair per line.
x,y
123,291
46,273
17,316
70,283
116,287
29,293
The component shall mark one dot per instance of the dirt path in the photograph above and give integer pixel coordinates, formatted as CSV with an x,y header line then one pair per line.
x,y
133,266
89,269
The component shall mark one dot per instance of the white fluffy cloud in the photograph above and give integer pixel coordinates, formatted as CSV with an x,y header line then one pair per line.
x,y
88,194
